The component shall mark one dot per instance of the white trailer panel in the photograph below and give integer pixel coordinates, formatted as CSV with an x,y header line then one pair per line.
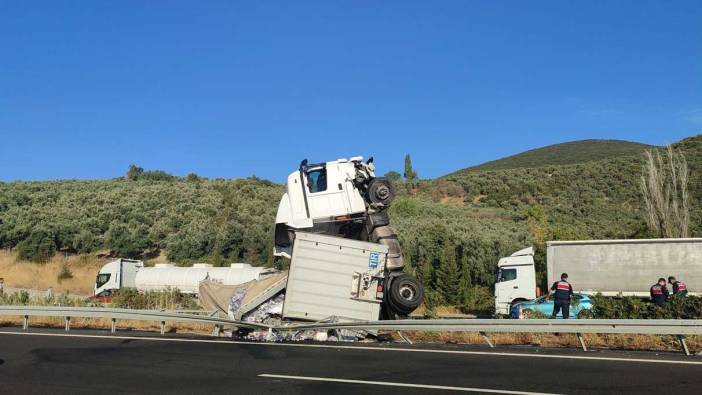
x,y
187,279
626,266
321,276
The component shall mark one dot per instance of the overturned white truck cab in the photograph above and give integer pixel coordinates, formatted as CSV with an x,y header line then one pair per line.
x,y
339,198
344,198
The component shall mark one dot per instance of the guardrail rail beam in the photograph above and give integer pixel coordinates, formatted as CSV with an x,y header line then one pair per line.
x,y
678,328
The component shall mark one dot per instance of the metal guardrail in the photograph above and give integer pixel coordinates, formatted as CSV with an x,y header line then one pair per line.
x,y
121,314
678,328
649,327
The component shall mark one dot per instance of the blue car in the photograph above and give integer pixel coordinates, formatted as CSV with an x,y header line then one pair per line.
x,y
544,305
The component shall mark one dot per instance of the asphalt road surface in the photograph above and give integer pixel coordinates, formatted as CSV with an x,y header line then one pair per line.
x,y
49,361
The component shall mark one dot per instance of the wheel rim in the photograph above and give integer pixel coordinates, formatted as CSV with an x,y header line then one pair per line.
x,y
382,192
407,292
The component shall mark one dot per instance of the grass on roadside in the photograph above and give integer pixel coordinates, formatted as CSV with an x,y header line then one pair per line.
x,y
594,341
74,273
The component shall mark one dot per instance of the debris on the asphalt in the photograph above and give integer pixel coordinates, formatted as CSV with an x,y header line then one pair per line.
x,y
263,313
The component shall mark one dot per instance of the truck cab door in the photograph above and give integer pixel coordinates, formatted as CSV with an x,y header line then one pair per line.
x,y
506,287
515,280
325,193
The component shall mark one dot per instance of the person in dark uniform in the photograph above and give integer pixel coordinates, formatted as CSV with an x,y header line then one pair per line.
x,y
679,288
659,292
563,291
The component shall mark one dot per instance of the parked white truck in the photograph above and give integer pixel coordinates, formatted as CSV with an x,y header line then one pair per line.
x,y
609,267
332,223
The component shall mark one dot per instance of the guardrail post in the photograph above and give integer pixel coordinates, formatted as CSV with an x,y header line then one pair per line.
x,y
113,327
487,339
407,340
582,341
683,344
270,335
68,323
163,327
25,324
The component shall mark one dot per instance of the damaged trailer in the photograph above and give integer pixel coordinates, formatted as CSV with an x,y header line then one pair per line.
x,y
329,278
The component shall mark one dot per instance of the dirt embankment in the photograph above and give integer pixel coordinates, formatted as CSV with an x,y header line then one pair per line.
x,y
41,276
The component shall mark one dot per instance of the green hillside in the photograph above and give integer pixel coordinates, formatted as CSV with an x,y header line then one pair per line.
x,y
190,219
564,154
452,229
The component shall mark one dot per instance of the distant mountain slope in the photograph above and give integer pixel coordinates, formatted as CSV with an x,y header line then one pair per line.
x,y
563,154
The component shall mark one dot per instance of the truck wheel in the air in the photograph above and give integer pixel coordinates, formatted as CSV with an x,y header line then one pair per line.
x,y
381,191
405,294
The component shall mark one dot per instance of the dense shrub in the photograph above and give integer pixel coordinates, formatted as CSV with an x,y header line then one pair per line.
x,y
631,307
478,300
64,274
432,300
130,298
23,298
135,173
128,240
15,298
40,246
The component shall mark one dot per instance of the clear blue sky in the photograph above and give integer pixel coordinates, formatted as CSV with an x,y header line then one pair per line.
x,y
230,89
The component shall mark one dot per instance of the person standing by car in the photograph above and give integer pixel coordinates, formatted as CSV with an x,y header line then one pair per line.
x,y
563,291
679,288
659,292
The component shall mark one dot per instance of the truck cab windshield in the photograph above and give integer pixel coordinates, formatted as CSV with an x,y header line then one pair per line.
x,y
102,278
506,275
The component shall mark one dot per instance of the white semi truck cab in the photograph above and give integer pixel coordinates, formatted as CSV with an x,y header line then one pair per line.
x,y
516,280
115,275
337,198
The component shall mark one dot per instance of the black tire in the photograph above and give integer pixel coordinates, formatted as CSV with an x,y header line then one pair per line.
x,y
406,293
381,191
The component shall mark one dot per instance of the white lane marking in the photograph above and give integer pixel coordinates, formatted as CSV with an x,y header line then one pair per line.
x,y
391,384
389,349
